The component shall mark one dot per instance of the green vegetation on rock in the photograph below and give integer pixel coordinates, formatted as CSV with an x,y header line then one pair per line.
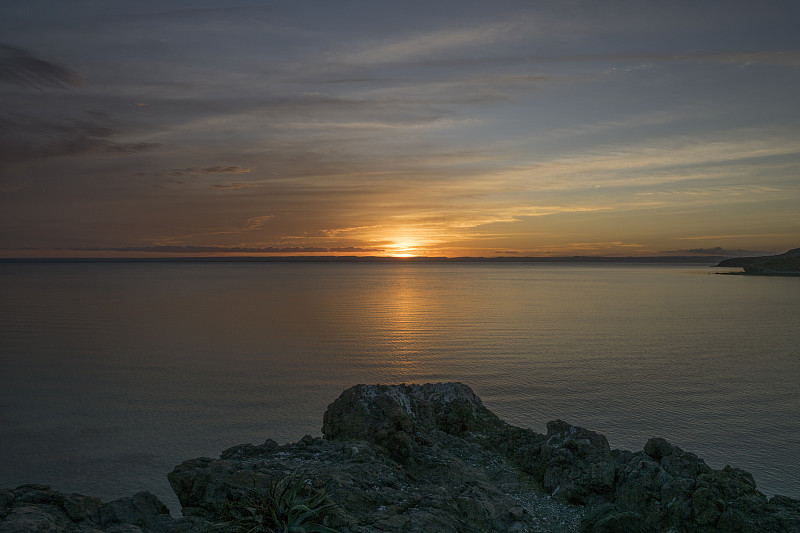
x,y
288,506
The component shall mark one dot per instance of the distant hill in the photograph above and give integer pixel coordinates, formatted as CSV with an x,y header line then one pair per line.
x,y
785,264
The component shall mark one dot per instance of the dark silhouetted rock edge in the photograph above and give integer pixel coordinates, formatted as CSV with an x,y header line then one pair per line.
x,y
785,264
407,458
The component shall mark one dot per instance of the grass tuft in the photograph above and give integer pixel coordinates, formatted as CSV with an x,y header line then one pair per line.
x,y
287,506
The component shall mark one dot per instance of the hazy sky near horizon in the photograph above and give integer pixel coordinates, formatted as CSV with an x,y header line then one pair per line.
x,y
399,127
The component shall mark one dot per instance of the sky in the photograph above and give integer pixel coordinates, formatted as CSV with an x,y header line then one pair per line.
x,y
441,128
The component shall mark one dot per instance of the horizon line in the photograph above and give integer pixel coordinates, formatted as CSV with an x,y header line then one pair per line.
x,y
374,258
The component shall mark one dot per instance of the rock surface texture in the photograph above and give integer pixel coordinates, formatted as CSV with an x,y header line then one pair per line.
x,y
408,458
33,508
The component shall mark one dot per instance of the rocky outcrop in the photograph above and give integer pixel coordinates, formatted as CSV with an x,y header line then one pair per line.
x,y
397,458
37,508
673,490
399,418
394,458
785,264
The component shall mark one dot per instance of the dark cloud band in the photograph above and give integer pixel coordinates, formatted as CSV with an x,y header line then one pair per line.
x,y
19,66
235,249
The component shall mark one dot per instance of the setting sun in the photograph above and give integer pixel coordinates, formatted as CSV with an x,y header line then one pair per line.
x,y
404,248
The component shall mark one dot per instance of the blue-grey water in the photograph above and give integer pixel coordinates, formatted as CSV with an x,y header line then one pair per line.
x,y
112,374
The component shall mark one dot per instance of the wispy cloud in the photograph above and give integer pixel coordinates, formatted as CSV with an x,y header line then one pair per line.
x,y
398,125
251,224
719,250
176,249
337,232
731,236
634,60
257,222
224,170
744,58
236,186
191,171
19,66
654,161
430,44
24,138
427,123
633,122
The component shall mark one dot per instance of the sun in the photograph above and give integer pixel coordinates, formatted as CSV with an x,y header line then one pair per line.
x,y
403,249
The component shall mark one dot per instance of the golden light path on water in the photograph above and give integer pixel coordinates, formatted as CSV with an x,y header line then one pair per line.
x,y
403,321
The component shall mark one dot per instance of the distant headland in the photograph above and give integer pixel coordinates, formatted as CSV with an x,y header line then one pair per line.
x,y
785,264
710,260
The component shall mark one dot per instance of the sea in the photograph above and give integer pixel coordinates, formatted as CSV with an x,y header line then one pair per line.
x,y
114,373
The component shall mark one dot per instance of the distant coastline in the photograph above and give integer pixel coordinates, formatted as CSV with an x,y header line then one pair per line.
x,y
709,260
785,264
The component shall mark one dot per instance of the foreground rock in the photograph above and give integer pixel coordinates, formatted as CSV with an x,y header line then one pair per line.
x,y
37,508
394,458
432,458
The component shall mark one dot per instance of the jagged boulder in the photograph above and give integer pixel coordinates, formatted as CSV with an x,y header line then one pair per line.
x,y
576,464
397,417
665,489
38,508
661,488
394,458
204,482
450,485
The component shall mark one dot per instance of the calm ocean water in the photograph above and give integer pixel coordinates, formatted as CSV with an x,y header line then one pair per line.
x,y
114,373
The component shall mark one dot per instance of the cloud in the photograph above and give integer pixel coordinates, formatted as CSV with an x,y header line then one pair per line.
x,y
427,122
174,249
257,222
236,186
334,233
635,60
637,122
426,44
656,160
718,250
733,236
224,170
19,66
768,57
251,224
354,249
178,172
26,139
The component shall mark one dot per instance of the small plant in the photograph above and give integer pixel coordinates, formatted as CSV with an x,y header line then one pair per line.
x,y
287,506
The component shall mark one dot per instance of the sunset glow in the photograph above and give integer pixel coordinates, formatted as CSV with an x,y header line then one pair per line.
x,y
217,217
404,248
397,129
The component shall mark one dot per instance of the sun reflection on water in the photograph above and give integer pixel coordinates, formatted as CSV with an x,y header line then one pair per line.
x,y
404,321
